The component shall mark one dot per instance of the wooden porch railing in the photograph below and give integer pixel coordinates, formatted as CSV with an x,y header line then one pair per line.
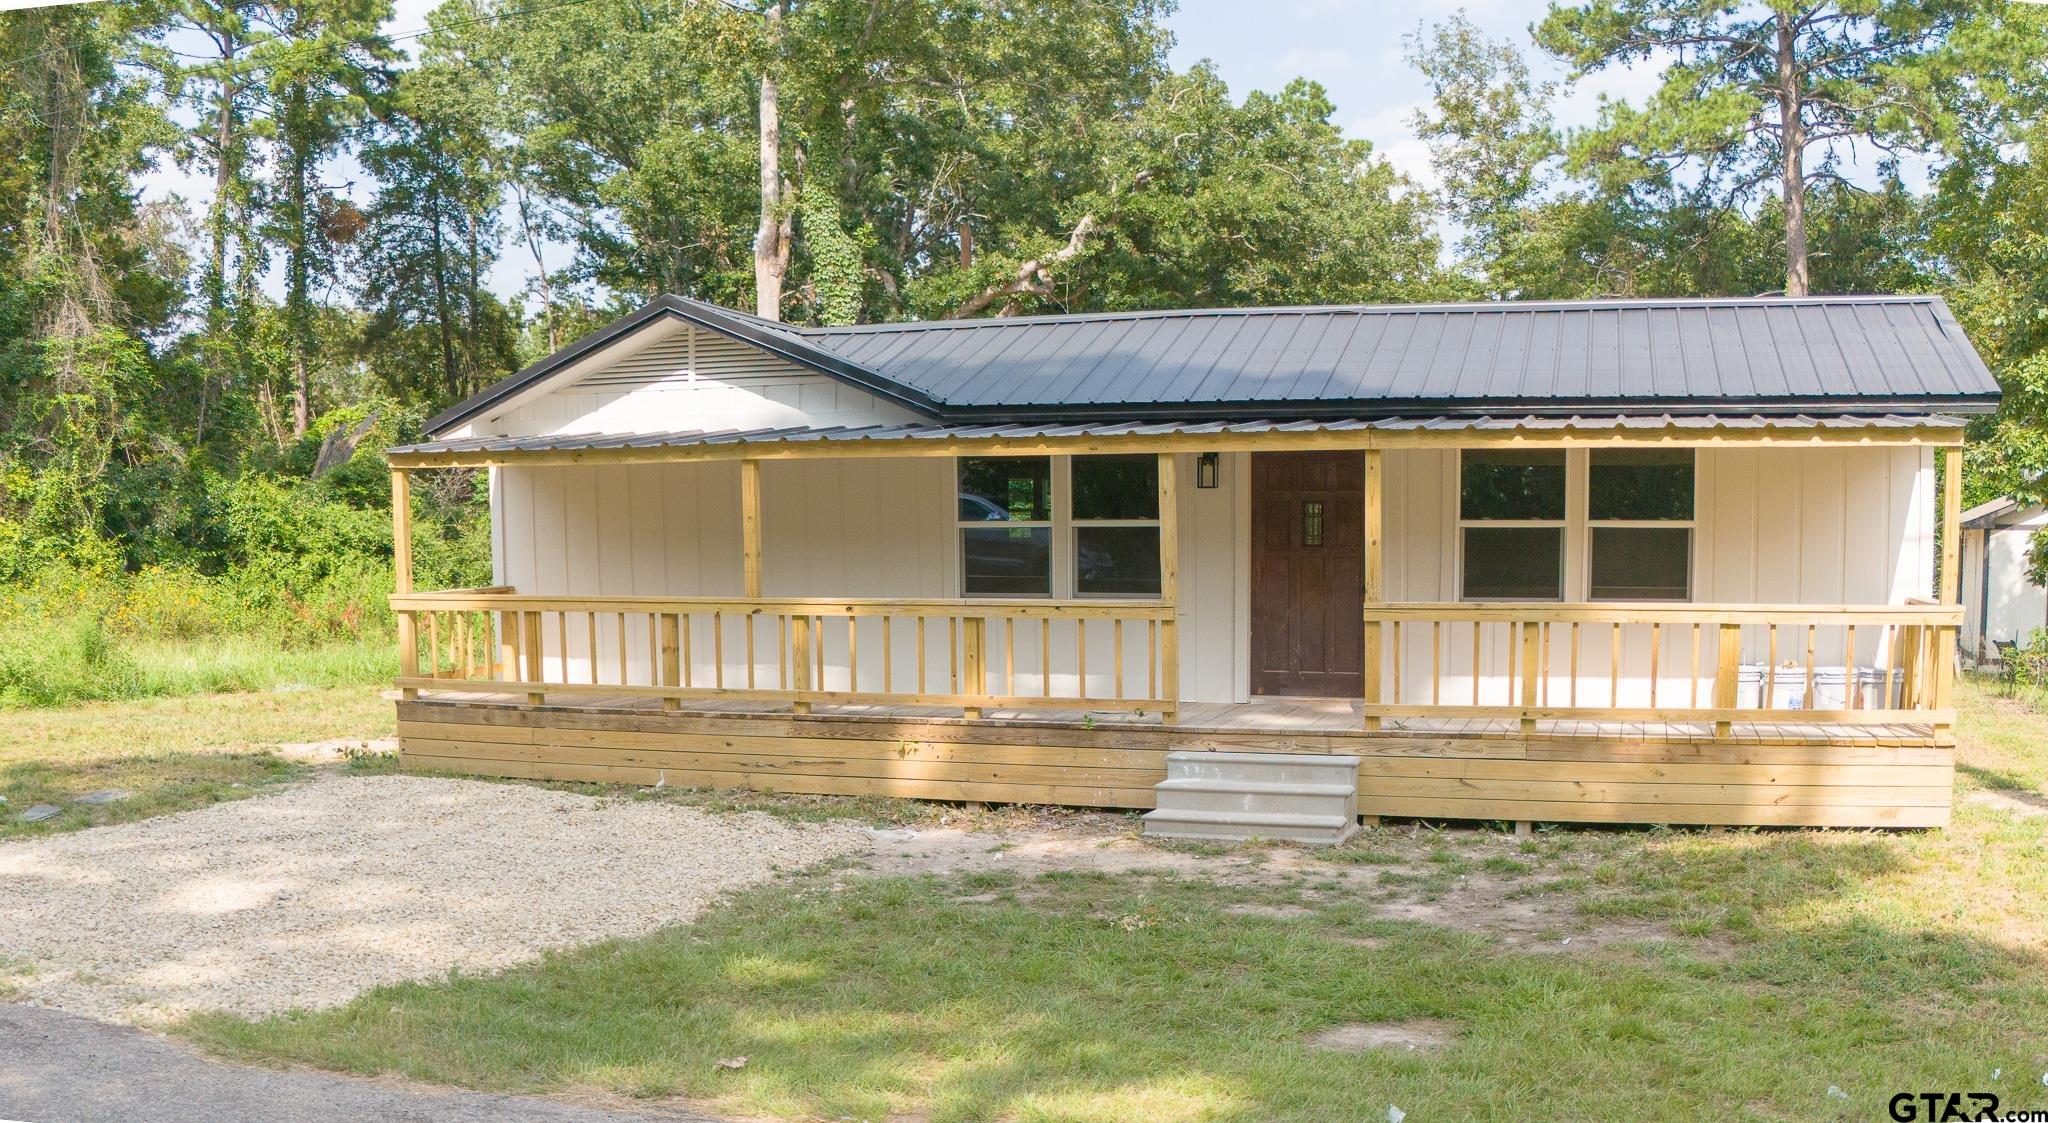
x,y
799,650
1661,662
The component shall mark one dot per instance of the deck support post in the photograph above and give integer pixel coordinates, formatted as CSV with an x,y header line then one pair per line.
x,y
401,576
1375,566
974,660
1729,658
1531,655
800,660
1169,588
671,658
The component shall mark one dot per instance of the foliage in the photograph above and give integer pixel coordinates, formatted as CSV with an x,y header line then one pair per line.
x,y
1782,92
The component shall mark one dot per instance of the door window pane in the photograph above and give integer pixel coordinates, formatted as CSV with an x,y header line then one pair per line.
x,y
1512,484
1514,563
1007,560
1641,563
1005,488
1116,487
1118,560
1639,483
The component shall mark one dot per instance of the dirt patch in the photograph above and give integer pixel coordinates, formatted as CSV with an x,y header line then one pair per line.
x,y
2027,805
1405,881
1413,1036
1274,912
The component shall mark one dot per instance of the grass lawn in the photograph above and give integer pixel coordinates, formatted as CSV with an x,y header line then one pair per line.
x,y
174,754
1758,975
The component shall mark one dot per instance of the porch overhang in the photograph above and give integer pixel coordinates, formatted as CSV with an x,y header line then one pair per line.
x,y
1138,436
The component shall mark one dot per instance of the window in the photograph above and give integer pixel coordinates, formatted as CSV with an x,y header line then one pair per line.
x,y
1639,517
1019,514
1006,526
1116,525
1511,519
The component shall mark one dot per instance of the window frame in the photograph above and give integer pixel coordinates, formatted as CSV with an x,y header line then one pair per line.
x,y
1690,525
1063,577
1562,525
1075,524
1576,564
1051,526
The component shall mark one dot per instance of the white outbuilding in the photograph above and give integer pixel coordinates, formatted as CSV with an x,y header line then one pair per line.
x,y
2001,604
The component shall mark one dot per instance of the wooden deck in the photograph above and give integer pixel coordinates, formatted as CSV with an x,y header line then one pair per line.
x,y
1778,773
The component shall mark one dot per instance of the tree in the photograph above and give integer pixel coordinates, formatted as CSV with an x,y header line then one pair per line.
x,y
1208,202
324,66
221,89
1782,91
1492,139
431,235
78,269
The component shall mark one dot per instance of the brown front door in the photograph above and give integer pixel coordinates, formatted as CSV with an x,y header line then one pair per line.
x,y
1308,547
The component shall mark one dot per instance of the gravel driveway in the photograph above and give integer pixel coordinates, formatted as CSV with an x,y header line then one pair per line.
x,y
309,897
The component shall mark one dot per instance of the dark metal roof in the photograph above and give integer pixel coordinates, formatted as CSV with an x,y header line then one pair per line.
x,y
584,442
1865,354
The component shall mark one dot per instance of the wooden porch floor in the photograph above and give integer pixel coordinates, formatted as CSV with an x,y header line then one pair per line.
x,y
1261,715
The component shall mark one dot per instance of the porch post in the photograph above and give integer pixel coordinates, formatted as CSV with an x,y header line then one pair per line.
x,y
401,577
1169,587
1375,574
750,526
1951,574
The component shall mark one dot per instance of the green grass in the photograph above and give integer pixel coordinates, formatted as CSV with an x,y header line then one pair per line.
x,y
47,664
174,753
1790,961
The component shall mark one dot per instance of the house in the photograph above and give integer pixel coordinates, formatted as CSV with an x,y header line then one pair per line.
x,y
2001,604
1614,561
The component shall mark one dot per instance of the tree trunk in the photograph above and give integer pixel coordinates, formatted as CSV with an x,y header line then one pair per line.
x,y
540,269
296,296
771,243
1792,137
436,217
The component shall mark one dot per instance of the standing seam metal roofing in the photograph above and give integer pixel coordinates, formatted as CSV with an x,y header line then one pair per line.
x,y
1852,353
1823,348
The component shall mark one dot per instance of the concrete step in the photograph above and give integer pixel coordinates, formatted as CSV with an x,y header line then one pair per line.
x,y
1296,797
1237,826
1253,797
1274,768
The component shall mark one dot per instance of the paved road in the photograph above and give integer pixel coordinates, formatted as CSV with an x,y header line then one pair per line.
x,y
60,1068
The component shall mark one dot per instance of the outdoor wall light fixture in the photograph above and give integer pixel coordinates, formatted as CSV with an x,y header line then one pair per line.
x,y
1208,466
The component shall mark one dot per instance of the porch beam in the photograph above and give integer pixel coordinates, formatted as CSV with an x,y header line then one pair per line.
x,y
1917,437
1169,584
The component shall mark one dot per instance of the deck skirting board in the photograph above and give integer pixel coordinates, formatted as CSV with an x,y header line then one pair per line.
x,y
1609,779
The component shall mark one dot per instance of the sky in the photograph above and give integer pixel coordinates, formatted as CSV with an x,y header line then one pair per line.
x,y
1353,47
1356,50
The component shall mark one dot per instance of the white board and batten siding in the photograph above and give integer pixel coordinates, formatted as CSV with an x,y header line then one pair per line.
x,y
2001,604
1774,526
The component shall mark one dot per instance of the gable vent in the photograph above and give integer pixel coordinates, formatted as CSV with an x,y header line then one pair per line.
x,y
695,354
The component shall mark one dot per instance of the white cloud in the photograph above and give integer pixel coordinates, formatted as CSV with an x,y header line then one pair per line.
x,y
1392,133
